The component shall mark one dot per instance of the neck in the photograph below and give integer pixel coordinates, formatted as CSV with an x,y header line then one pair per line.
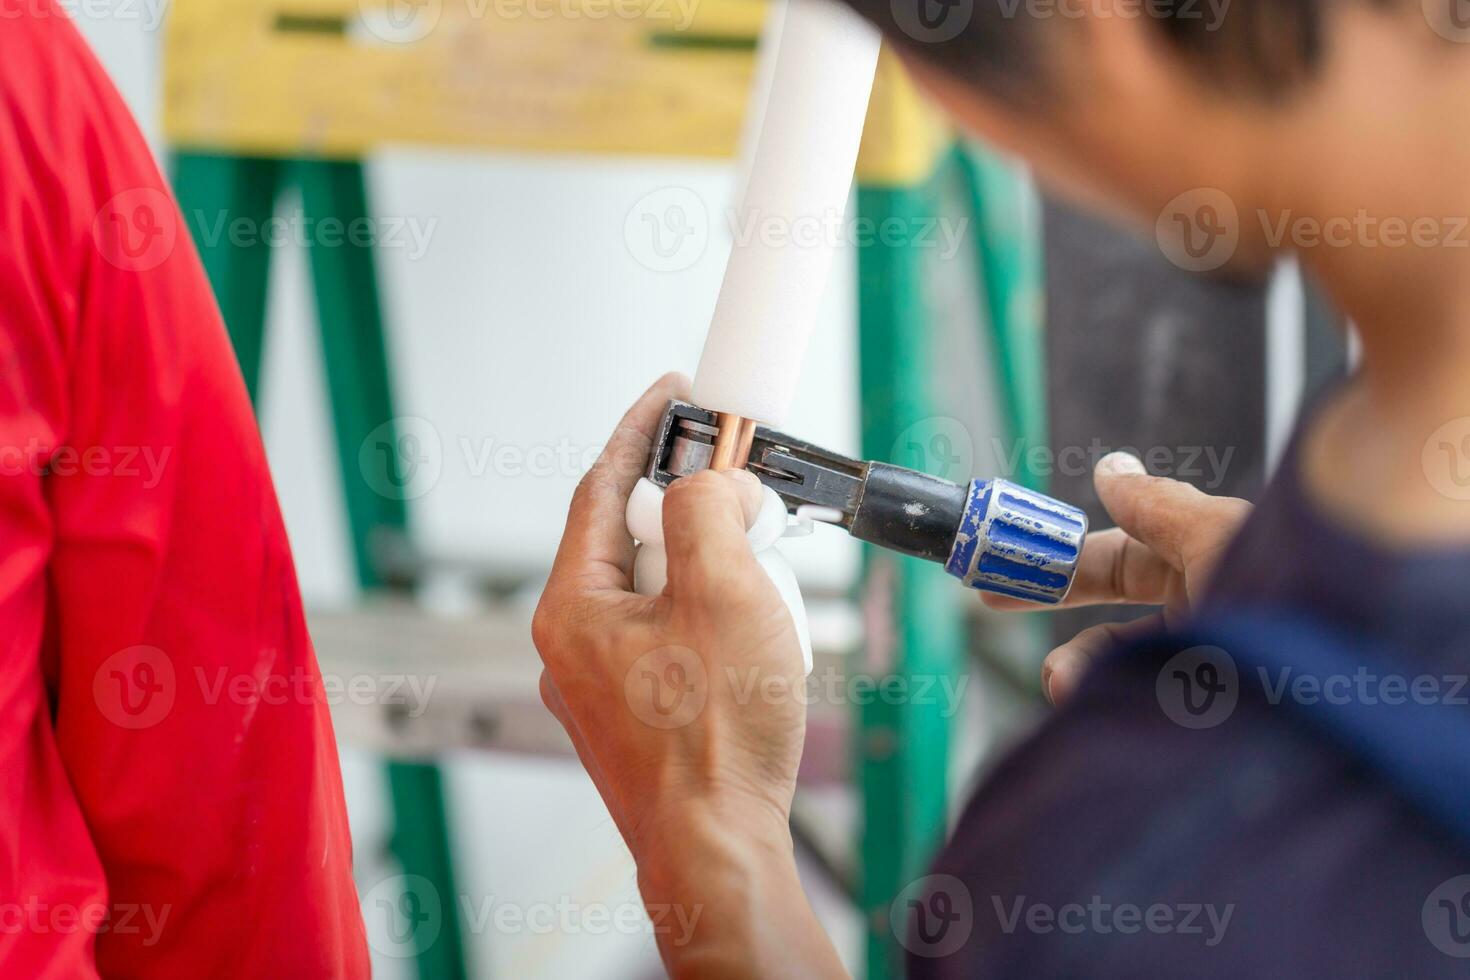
x,y
1409,303
1388,454
1401,274
1410,308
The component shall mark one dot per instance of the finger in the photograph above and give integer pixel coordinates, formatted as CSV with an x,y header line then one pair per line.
x,y
1114,568
1064,667
751,493
1172,518
705,518
596,551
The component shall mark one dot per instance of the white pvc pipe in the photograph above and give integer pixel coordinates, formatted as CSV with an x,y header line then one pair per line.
x,y
794,211
760,94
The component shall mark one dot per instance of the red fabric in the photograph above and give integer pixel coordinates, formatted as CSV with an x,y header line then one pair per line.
x,y
166,756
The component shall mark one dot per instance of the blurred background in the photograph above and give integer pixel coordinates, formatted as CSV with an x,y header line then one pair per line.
x,y
540,198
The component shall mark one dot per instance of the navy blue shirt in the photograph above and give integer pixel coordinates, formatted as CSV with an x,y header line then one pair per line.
x,y
1118,842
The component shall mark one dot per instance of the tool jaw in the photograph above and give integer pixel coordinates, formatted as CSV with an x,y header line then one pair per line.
x,y
801,474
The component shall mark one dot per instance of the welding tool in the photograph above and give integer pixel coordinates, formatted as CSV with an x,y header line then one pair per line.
x,y
992,535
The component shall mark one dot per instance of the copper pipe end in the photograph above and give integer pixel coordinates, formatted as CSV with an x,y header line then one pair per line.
x,y
747,440
727,442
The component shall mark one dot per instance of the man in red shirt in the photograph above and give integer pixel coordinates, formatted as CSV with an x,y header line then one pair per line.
x,y
171,802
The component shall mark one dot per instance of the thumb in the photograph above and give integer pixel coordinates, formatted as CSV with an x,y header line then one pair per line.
x,y
705,518
1166,515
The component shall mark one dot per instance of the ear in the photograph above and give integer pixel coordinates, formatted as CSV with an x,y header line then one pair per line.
x,y
1133,82
1129,62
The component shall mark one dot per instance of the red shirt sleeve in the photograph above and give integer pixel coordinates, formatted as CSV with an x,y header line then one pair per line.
x,y
167,754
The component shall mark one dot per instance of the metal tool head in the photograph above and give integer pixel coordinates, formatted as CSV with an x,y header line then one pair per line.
x,y
801,473
991,534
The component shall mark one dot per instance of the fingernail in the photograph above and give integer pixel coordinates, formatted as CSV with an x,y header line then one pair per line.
x,y
1121,464
1060,674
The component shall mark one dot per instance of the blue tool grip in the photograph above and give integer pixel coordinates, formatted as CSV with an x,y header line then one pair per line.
x,y
1016,542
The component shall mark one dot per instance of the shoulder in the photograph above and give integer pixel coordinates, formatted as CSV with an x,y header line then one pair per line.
x,y
66,136
1117,842
44,61
79,186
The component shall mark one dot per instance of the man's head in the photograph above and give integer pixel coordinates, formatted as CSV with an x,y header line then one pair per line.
x,y
1127,104
1263,46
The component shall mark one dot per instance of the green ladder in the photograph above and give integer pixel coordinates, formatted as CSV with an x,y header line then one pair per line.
x,y
903,750
213,191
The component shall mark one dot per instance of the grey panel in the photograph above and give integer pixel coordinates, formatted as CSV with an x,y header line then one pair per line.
x,y
1144,356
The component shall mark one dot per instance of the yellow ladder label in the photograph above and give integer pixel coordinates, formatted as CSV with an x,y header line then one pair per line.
x,y
342,78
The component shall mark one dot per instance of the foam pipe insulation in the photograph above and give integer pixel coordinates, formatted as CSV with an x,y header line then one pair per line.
x,y
814,76
796,199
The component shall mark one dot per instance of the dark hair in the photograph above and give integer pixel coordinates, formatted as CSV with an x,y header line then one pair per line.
x,y
1262,46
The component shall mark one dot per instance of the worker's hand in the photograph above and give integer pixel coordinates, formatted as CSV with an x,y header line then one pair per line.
x,y
689,701
1168,539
